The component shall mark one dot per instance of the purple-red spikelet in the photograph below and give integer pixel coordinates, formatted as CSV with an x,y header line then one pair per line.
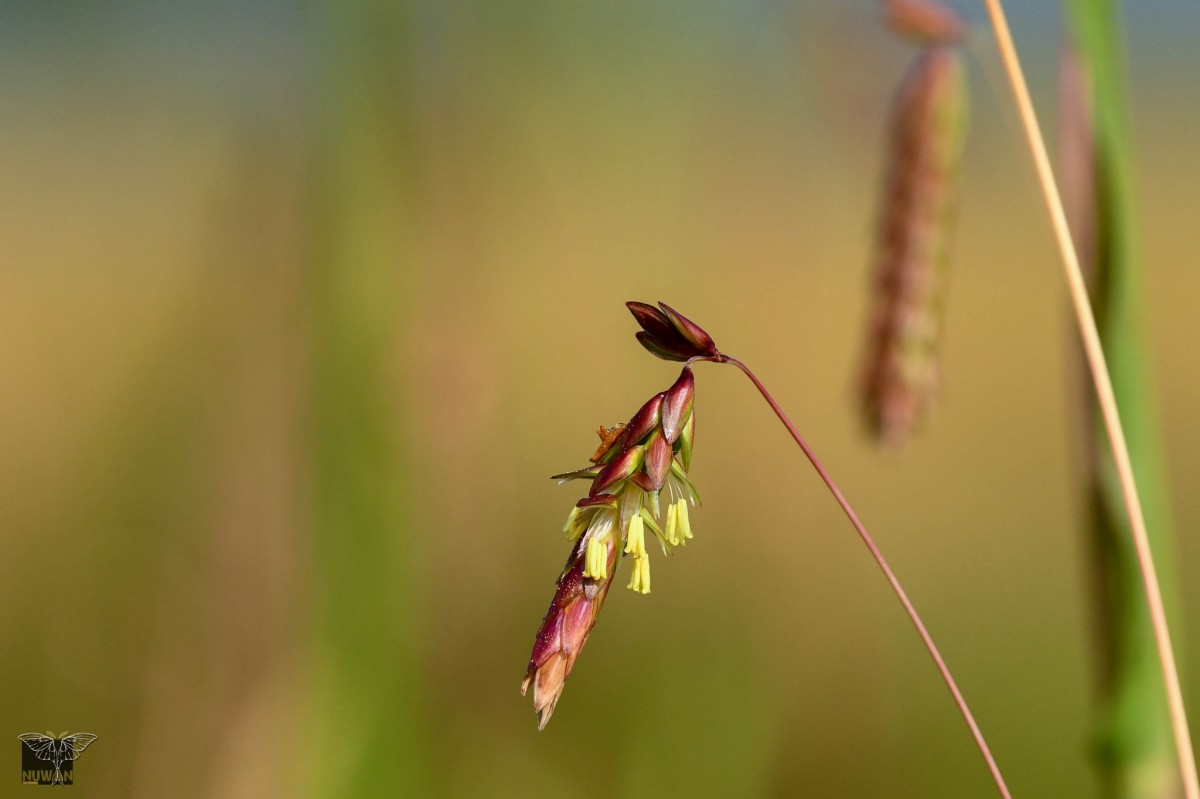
x,y
677,405
669,334
565,629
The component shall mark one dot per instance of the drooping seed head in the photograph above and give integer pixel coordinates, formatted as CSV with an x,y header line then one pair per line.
x,y
637,468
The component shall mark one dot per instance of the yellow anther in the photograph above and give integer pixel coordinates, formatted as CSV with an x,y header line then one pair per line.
x,y
685,524
673,524
639,578
595,563
635,543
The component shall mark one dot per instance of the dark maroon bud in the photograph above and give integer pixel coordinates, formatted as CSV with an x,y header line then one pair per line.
x,y
658,461
620,469
656,324
681,352
677,404
643,422
691,331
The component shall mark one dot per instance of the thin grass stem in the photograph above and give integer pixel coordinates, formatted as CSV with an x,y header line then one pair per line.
x,y
1104,393
909,609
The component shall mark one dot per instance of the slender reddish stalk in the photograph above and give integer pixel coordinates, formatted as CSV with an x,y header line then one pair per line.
x,y
913,616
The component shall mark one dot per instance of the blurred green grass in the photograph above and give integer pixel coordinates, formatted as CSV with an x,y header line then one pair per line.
x,y
298,311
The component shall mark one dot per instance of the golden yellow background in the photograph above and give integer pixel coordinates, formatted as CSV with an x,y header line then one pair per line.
x,y
301,304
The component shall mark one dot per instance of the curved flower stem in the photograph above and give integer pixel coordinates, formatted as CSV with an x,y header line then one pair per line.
x,y
887,572
1104,395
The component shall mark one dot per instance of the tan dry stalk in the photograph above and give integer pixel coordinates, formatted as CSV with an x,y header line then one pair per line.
x,y
1104,394
899,378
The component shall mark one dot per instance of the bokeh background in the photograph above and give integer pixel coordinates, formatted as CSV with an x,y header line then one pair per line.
x,y
300,304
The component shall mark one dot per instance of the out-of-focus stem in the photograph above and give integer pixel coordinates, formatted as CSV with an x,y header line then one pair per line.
x,y
1105,396
909,609
364,617
1134,742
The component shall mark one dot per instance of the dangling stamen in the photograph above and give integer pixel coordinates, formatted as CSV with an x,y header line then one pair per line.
x,y
596,563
